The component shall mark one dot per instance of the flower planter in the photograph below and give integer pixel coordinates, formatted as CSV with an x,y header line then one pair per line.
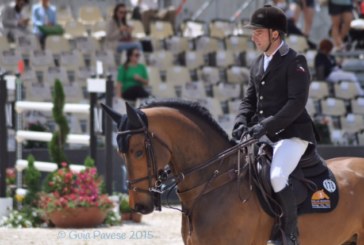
x,y
77,217
136,217
126,216
133,216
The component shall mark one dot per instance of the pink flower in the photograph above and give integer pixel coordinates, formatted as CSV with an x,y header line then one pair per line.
x,y
74,190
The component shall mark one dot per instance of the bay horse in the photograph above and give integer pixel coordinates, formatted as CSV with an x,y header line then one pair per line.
x,y
183,136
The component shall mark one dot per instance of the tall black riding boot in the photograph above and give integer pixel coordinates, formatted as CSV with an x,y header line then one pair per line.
x,y
287,201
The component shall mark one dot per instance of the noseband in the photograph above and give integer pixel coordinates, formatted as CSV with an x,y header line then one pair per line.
x,y
159,175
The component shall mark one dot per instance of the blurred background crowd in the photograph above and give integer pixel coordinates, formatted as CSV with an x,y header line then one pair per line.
x,y
195,50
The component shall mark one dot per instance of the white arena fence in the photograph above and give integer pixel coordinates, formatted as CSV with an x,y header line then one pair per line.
x,y
93,86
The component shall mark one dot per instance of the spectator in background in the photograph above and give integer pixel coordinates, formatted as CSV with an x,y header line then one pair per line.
x,y
341,17
43,14
148,11
13,22
327,68
119,33
308,9
132,77
292,28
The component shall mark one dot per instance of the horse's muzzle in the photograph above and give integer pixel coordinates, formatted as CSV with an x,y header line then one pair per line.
x,y
143,209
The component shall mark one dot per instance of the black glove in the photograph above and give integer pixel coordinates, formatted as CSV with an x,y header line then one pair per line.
x,y
257,131
238,131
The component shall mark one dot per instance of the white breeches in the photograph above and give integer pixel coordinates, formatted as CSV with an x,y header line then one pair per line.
x,y
286,156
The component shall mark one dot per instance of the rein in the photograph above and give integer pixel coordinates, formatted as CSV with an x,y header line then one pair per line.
x,y
221,156
192,195
163,175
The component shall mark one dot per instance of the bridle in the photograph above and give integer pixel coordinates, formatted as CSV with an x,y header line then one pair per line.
x,y
161,176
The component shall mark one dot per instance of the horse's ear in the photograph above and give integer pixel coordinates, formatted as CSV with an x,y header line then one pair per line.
x,y
133,118
116,117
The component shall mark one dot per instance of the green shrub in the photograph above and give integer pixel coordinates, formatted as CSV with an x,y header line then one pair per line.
x,y
32,181
57,144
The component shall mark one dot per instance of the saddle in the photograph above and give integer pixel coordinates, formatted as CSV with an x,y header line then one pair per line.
x,y
313,182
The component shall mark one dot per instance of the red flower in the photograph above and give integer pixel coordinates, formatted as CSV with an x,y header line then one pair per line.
x,y
74,190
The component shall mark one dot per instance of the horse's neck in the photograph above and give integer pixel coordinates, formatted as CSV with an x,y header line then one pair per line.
x,y
192,142
194,152
206,151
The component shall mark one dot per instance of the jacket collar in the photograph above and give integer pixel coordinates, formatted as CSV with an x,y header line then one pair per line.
x,y
283,50
276,60
274,63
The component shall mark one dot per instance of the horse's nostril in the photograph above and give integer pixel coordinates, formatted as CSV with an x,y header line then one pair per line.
x,y
140,208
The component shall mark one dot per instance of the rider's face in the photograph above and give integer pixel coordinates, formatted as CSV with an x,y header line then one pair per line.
x,y
261,38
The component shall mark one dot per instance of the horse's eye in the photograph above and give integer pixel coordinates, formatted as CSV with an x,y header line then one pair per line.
x,y
139,154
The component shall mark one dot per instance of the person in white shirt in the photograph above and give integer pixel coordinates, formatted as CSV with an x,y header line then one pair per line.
x,y
13,21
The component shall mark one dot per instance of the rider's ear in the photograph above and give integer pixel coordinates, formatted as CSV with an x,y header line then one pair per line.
x,y
275,35
134,120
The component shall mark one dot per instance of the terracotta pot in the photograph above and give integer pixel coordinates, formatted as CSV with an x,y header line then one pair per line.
x,y
136,217
126,216
77,217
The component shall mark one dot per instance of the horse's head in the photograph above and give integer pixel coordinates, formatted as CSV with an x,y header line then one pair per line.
x,y
146,157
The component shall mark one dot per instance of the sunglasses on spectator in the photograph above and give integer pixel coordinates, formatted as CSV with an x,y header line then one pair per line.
x,y
136,55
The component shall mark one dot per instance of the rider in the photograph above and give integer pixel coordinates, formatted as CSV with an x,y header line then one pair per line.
x,y
274,108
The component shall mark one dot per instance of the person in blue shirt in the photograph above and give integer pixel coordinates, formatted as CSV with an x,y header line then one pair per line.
x,y
43,14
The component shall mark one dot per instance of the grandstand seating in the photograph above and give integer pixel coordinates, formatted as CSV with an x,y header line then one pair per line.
x,y
205,62
333,107
357,105
237,44
162,59
224,58
311,108
4,44
193,59
233,106
9,60
160,30
221,28
177,44
346,90
64,14
297,43
89,15
193,91
193,29
206,44
27,44
74,29
237,74
177,75
319,90
138,28
352,123
209,74
72,60
57,44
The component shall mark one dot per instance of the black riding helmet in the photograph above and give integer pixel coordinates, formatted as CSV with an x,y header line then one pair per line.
x,y
268,17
